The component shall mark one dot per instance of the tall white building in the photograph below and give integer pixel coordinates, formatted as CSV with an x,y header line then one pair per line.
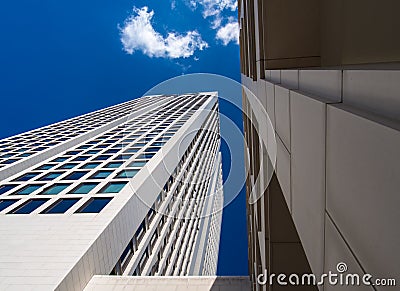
x,y
133,189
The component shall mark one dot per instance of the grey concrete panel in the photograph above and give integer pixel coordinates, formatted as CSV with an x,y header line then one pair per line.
x,y
338,252
270,90
262,93
283,171
276,76
282,114
373,90
308,119
324,83
268,75
290,79
363,185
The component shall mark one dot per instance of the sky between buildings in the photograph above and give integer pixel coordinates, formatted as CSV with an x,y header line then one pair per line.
x,y
60,59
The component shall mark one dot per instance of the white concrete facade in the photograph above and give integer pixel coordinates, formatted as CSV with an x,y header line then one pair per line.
x,y
126,195
337,134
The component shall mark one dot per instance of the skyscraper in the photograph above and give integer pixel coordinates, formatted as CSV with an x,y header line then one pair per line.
x,y
133,189
327,75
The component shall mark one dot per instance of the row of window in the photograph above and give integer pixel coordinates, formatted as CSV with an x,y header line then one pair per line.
x,y
26,154
15,148
94,205
69,126
135,241
180,232
186,236
76,175
132,245
62,127
196,190
83,188
86,155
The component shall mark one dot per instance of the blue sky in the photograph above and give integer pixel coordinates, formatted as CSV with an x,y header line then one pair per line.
x,y
60,59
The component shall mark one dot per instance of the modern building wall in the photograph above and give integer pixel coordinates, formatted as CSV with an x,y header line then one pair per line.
x,y
165,283
120,191
283,34
333,195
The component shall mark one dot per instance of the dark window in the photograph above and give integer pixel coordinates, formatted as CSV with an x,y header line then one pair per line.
x,y
113,187
81,158
27,189
122,157
84,188
5,188
55,189
75,175
59,160
101,157
68,166
73,153
132,150
29,206
140,231
111,151
61,206
126,255
51,176
153,149
45,167
90,165
137,164
84,147
114,165
10,161
100,175
22,150
92,152
127,174
6,156
6,202
94,205
40,149
145,156
150,214
140,144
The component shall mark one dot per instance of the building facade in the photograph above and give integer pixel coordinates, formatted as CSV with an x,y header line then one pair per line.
x,y
165,283
326,73
133,189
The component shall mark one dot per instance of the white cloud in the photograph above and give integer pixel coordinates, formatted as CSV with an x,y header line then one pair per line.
x,y
184,68
216,23
216,10
173,4
215,7
229,32
139,34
